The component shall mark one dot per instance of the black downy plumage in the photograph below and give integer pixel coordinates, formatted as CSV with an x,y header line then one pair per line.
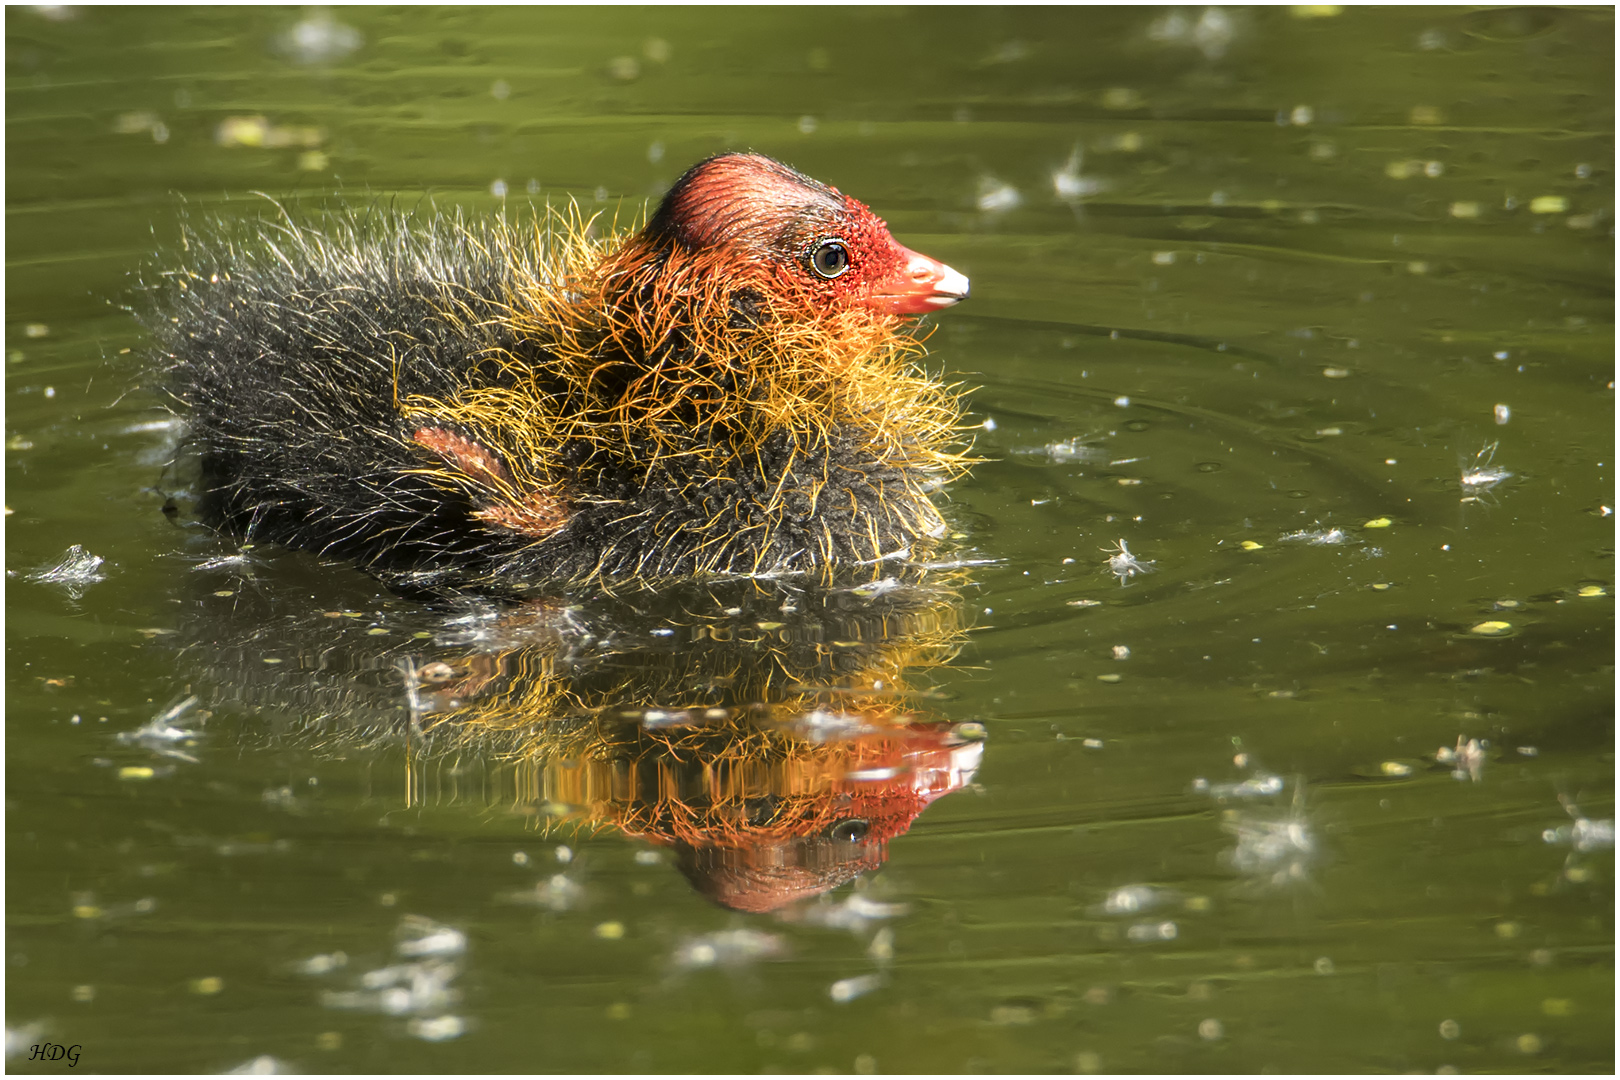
x,y
458,404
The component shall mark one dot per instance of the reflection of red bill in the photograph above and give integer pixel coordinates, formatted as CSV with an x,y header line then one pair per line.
x,y
841,830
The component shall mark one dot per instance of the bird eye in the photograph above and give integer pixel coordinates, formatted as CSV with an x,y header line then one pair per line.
x,y
830,259
849,831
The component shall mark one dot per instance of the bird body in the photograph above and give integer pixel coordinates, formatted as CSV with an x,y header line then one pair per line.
x,y
504,405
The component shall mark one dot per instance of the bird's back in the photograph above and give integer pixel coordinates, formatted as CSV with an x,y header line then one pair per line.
x,y
377,387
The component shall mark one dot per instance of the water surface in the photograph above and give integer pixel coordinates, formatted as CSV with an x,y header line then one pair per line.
x,y
1310,312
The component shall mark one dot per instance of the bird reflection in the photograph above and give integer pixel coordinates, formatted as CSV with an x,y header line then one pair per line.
x,y
773,735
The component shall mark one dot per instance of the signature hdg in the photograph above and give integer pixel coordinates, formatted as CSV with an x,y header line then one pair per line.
x,y
56,1052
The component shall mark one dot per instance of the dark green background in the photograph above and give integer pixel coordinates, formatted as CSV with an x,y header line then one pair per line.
x,y
1312,331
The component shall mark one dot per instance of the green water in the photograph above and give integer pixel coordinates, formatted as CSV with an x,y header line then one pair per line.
x,y
1239,278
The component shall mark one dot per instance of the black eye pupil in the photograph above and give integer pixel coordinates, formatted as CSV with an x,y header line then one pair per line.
x,y
830,259
849,831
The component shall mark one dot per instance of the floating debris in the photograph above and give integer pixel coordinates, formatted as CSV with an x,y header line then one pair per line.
x,y
1481,476
233,561
1074,449
138,123
321,963
74,571
558,893
1069,185
1260,785
846,990
419,988
419,936
1123,565
996,197
1467,759
437,1029
1320,537
263,1065
281,798
86,906
853,914
1136,899
1583,834
400,989
318,39
881,587
24,1036
1149,931
1271,849
1212,33
161,736
257,132
728,948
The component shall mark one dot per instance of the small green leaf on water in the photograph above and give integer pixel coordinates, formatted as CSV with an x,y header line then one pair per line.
x,y
1491,628
1592,590
136,772
1251,545
1378,523
1108,678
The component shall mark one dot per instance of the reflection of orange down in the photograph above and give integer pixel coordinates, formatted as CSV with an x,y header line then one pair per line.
x,y
770,733
773,740
759,818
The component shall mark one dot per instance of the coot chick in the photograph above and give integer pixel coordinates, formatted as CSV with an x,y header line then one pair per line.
x,y
499,405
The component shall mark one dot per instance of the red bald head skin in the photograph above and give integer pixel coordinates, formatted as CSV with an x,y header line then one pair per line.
x,y
815,237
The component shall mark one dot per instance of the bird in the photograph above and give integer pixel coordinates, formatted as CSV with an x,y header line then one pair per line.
x,y
506,404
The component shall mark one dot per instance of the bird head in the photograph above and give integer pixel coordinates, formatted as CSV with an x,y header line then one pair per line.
x,y
760,217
